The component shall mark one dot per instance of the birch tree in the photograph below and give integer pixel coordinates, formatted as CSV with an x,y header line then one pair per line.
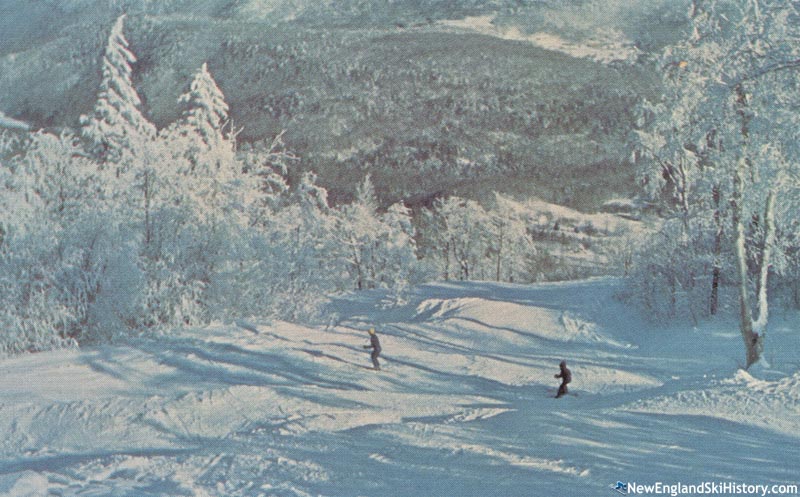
x,y
460,235
508,240
741,63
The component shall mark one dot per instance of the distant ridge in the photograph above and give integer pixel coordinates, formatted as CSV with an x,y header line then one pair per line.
x,y
388,88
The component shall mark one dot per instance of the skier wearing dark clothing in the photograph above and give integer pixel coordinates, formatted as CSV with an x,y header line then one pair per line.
x,y
566,377
375,345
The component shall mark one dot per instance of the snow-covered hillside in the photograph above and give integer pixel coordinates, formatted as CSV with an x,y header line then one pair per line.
x,y
463,406
10,123
365,84
607,46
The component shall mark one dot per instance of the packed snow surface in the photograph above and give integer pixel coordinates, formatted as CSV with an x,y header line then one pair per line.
x,y
463,406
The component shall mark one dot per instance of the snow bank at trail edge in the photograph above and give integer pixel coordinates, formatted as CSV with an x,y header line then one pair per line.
x,y
24,484
558,325
772,405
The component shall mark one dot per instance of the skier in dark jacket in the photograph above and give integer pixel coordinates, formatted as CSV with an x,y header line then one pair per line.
x,y
375,345
566,377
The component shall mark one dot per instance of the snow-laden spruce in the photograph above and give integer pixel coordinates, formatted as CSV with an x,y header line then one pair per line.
x,y
117,125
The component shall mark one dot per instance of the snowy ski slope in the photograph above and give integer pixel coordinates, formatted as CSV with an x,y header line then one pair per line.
x,y
463,407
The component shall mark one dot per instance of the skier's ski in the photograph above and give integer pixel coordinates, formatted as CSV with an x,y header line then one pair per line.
x,y
553,393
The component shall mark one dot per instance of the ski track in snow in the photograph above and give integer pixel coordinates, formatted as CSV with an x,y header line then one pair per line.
x,y
463,406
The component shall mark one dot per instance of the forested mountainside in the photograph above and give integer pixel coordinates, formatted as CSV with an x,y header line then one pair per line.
x,y
407,91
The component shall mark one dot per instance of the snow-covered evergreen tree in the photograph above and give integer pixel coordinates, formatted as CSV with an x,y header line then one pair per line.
x,y
117,126
198,140
197,202
358,229
268,166
312,197
205,110
379,248
398,259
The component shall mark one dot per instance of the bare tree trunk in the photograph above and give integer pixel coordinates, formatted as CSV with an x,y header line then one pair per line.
x,y
751,339
447,261
766,261
683,191
463,261
147,227
372,264
499,256
753,343
716,272
753,331
673,295
461,255
357,262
